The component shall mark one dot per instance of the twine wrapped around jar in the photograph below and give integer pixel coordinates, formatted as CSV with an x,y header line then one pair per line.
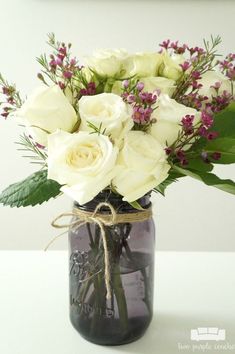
x,y
101,220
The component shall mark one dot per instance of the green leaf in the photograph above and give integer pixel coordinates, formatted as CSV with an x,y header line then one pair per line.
x,y
226,185
198,146
136,205
35,189
199,165
224,122
226,146
161,188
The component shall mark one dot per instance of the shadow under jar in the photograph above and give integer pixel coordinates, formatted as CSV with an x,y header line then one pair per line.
x,y
131,246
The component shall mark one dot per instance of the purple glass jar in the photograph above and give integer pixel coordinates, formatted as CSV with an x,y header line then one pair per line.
x,y
126,315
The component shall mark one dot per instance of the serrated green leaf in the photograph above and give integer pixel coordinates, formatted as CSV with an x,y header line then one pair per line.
x,y
35,189
226,146
226,185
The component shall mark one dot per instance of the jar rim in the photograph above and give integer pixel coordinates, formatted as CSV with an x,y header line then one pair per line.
x,y
116,201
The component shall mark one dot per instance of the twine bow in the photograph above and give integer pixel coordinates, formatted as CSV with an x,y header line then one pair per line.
x,y
101,220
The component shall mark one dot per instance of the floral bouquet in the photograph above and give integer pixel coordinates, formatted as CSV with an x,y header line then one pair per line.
x,y
106,134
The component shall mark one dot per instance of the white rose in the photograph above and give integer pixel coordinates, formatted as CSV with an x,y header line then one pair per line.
x,y
143,64
108,62
169,114
170,67
45,111
143,166
107,111
210,78
163,84
84,163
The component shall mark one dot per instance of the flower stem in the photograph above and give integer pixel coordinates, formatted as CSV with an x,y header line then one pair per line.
x,y
120,297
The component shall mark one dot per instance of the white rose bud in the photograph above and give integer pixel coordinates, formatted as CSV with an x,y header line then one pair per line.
x,y
212,78
143,64
45,111
84,163
143,166
170,67
107,111
108,62
168,115
166,86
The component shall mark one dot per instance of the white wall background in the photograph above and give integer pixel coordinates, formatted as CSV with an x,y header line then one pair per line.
x,y
192,216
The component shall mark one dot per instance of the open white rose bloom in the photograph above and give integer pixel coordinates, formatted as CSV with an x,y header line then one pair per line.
x,y
83,163
45,111
143,165
129,123
107,111
168,115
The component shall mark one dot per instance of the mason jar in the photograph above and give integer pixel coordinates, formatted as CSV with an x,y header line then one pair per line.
x,y
127,313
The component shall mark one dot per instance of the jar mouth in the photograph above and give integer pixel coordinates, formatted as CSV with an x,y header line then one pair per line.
x,y
107,196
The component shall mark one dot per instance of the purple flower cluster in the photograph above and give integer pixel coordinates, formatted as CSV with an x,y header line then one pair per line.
x,y
204,126
220,102
141,115
61,67
207,119
89,90
194,52
191,131
227,66
187,123
140,101
198,61
178,49
178,153
11,99
62,60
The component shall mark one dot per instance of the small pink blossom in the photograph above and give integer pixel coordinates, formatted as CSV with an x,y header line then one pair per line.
x,y
202,131
165,44
125,84
216,85
216,155
231,73
196,75
187,123
212,135
207,119
62,85
73,62
185,66
141,115
140,86
67,74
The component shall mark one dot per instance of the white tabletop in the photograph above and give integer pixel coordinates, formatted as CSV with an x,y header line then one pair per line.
x,y
192,290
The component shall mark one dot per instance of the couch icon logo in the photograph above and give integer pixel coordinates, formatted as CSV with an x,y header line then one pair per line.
x,y
208,333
